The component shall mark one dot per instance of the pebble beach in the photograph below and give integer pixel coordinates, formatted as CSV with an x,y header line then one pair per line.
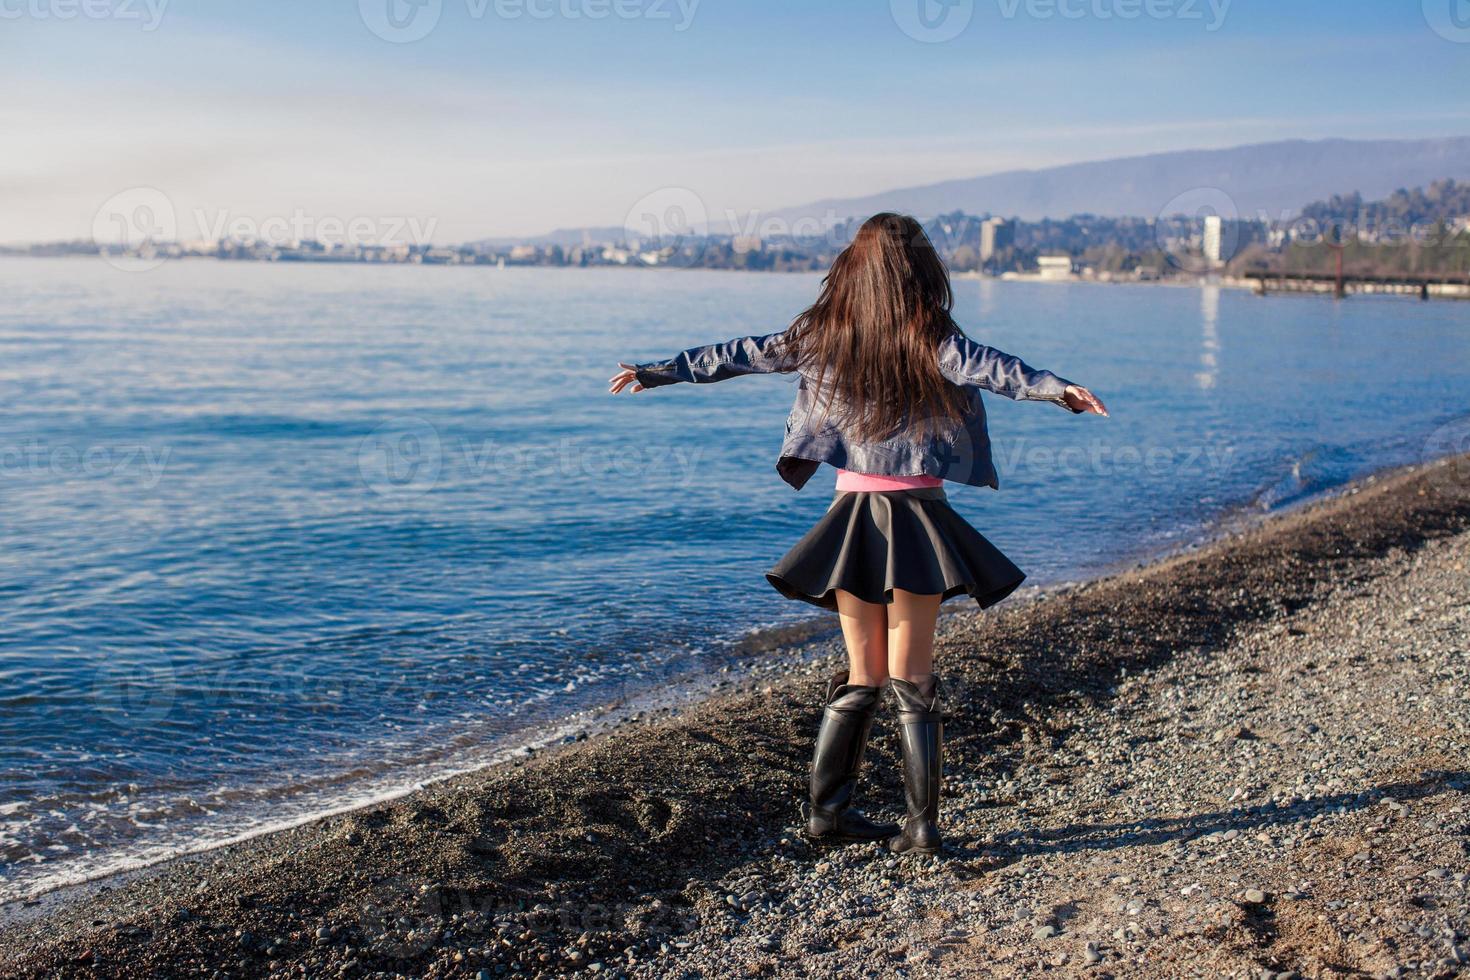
x,y
1248,760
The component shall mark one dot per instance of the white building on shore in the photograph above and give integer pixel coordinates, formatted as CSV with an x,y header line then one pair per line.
x,y
1214,240
1054,266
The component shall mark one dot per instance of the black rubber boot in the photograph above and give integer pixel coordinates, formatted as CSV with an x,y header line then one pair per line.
x,y
921,726
836,760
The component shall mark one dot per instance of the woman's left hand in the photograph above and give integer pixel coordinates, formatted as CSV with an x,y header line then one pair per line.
x,y
1079,399
624,378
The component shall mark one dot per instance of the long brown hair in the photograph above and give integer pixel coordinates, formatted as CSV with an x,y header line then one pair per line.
x,y
872,336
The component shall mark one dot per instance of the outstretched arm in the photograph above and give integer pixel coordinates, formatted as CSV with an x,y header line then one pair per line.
x,y
704,365
967,363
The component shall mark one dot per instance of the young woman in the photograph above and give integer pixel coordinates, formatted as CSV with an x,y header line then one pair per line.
x,y
889,394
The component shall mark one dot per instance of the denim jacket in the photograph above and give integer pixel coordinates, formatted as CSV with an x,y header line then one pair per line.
x,y
958,452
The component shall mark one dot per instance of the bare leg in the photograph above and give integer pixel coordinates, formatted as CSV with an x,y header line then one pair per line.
x,y
864,627
911,619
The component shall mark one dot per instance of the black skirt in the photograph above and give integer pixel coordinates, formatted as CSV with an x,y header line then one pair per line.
x,y
872,542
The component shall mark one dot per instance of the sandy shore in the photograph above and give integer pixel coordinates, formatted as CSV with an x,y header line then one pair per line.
x,y
1245,761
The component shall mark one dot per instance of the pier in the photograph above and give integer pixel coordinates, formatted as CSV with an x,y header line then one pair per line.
x,y
1340,285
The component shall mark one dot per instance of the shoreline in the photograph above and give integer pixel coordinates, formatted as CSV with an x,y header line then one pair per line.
x,y
1194,282
1457,291
621,818
791,643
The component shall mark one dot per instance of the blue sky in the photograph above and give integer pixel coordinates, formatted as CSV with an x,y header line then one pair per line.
x,y
515,116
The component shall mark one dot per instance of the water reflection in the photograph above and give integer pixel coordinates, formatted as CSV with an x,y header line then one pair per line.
x,y
1209,305
987,297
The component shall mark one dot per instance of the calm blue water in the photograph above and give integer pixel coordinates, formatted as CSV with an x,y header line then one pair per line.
x,y
281,537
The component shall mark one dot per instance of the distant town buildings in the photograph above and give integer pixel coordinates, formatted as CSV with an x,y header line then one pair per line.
x,y
1423,230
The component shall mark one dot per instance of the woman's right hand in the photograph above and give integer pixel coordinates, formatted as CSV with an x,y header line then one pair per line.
x,y
628,375
1079,399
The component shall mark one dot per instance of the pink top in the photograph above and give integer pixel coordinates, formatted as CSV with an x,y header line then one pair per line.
x,y
849,481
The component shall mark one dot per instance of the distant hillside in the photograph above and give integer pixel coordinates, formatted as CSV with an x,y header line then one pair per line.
x,y
565,237
1271,177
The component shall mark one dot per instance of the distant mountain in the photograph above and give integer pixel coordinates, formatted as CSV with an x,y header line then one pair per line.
x,y
1270,177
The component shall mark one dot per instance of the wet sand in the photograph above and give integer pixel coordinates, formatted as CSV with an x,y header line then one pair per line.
x,y
668,846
